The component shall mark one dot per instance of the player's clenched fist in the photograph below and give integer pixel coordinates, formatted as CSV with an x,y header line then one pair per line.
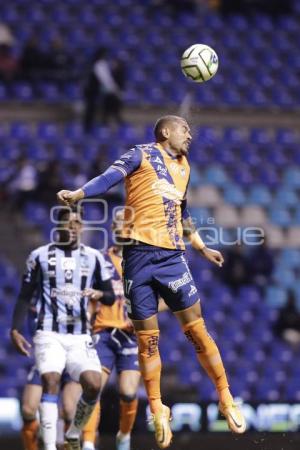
x,y
69,197
213,256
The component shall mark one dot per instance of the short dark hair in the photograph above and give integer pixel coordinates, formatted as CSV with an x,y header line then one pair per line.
x,y
162,122
63,210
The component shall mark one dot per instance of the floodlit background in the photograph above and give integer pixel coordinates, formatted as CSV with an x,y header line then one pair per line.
x,y
59,128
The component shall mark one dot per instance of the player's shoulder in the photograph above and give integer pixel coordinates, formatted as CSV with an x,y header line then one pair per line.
x,y
145,147
92,251
42,249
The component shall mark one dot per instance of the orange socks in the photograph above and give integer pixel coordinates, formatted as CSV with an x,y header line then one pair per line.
x,y
150,365
29,434
208,356
89,431
128,412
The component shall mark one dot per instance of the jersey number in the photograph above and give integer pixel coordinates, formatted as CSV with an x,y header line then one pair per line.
x,y
127,286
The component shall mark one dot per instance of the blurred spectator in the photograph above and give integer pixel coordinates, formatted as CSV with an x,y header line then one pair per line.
x,y
50,181
235,270
260,265
24,182
60,66
6,36
8,63
247,266
100,163
74,176
287,325
104,86
34,61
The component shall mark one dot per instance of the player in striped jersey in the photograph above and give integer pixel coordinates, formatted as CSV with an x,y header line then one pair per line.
x,y
117,347
62,271
156,178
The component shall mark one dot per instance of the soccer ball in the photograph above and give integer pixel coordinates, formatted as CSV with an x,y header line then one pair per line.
x,y
199,63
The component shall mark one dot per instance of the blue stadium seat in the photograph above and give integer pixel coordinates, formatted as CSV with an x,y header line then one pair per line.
x,y
234,194
280,215
216,175
259,195
287,197
275,296
292,177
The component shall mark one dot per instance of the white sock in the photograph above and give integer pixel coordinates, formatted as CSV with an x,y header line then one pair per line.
x,y
87,445
123,437
49,416
82,415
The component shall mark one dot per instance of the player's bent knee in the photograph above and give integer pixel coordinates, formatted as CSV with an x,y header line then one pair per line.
x,y
91,383
51,382
28,412
190,314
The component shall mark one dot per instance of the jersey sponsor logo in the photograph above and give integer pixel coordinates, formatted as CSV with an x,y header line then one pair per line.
x,y
167,190
68,263
70,295
175,285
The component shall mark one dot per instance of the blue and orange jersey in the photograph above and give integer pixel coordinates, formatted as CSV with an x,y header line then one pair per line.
x,y
114,316
156,184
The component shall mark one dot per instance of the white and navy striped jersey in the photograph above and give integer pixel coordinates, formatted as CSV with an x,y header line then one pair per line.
x,y
61,275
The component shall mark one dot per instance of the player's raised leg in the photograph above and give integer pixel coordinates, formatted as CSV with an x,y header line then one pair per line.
x,y
150,365
209,357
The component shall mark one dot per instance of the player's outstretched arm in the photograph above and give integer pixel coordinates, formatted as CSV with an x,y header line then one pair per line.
x,y
120,169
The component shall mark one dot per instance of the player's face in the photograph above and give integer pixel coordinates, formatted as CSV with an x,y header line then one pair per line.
x,y
71,228
180,137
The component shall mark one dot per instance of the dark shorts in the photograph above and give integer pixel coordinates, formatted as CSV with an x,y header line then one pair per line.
x,y
116,348
34,377
150,272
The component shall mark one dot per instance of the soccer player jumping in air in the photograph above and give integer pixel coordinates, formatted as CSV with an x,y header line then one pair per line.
x,y
156,178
